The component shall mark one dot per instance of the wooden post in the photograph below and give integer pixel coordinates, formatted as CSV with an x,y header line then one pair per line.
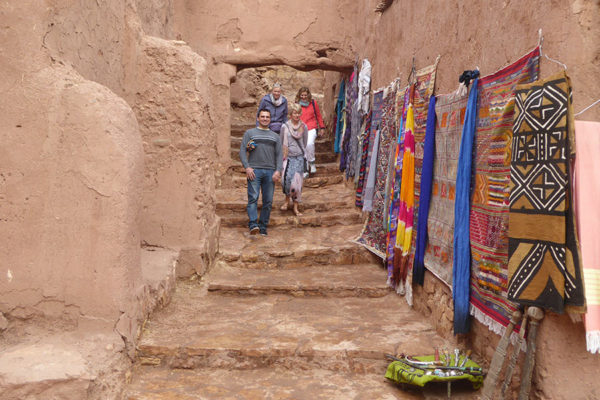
x,y
489,385
535,314
513,358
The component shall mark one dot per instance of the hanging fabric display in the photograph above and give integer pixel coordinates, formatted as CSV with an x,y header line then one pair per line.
x,y
461,251
364,86
489,210
544,264
355,122
423,90
450,116
339,112
405,214
370,133
401,108
424,87
426,183
373,236
346,151
587,193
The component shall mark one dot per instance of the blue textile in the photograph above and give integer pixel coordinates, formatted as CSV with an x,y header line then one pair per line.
x,y
425,199
461,272
339,111
279,114
262,182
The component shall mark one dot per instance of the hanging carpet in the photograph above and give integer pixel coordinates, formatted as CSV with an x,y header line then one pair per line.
x,y
544,262
490,198
374,233
450,110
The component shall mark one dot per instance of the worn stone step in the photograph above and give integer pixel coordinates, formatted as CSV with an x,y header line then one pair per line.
x,y
333,197
239,181
320,157
237,130
308,218
347,334
360,280
323,169
290,247
321,145
150,383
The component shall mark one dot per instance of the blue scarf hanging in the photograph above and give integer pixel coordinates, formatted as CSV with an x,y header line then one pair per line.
x,y
339,110
425,198
461,272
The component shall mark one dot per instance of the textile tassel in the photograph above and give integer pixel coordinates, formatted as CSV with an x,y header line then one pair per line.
x,y
425,198
461,272
593,342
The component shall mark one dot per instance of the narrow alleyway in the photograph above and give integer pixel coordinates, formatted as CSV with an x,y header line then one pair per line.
x,y
301,314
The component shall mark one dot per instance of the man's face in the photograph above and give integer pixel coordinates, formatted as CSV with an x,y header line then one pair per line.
x,y
304,96
263,119
276,93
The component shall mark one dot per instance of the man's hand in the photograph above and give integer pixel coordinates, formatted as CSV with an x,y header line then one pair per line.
x,y
250,174
276,176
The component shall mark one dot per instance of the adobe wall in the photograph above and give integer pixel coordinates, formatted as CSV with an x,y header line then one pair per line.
x,y
174,99
491,35
71,177
107,139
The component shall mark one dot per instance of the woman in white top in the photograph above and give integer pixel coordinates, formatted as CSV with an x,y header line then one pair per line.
x,y
294,135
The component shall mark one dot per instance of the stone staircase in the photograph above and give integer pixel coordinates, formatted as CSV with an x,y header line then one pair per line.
x,y
303,313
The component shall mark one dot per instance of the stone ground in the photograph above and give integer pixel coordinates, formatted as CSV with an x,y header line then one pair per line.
x,y
303,313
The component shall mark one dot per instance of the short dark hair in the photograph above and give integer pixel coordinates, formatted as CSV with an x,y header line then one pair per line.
x,y
265,110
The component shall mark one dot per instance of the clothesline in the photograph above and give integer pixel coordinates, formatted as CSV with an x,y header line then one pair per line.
x,y
588,107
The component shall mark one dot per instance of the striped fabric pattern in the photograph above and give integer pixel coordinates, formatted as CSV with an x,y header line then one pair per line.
x,y
490,199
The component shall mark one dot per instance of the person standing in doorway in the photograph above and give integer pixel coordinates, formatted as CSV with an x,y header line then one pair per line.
x,y
261,156
311,116
277,105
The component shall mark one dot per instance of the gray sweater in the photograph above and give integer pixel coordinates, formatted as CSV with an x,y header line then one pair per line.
x,y
267,153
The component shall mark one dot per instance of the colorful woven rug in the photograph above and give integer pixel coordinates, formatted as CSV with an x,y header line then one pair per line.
x,y
424,88
450,110
587,193
489,209
370,134
402,97
544,263
374,233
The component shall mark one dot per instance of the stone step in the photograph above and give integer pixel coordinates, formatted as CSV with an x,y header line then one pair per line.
x,y
182,384
320,157
237,130
323,169
290,247
318,180
321,145
200,329
360,280
308,218
332,197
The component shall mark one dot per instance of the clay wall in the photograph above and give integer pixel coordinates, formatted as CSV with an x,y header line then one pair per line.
x,y
107,139
71,171
490,35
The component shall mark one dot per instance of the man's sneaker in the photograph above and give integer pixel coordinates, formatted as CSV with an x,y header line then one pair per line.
x,y
254,230
313,168
305,175
263,232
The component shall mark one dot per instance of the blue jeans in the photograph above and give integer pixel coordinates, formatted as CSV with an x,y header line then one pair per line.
x,y
263,182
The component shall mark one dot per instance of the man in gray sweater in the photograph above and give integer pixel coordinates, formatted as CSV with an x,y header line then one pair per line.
x,y
262,158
